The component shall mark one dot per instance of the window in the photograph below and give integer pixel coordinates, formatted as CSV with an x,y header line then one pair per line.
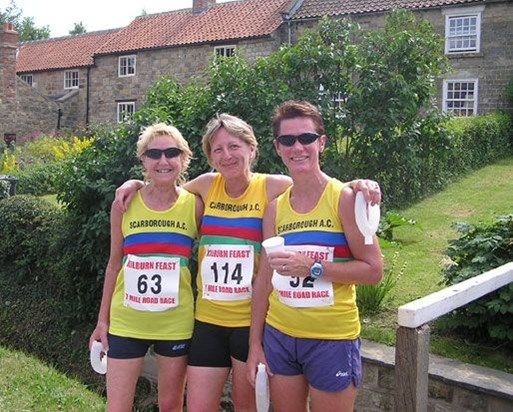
x,y
126,66
27,78
463,30
71,79
224,51
460,97
125,111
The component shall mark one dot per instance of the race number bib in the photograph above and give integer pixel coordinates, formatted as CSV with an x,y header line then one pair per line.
x,y
301,292
152,283
226,272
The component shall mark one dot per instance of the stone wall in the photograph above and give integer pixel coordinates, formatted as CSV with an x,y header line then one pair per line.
x,y
453,386
30,113
73,102
186,64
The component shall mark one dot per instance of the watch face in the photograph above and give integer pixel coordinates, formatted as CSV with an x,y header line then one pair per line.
x,y
316,270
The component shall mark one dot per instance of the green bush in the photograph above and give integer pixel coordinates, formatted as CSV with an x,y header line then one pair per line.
x,y
372,298
25,229
478,250
39,179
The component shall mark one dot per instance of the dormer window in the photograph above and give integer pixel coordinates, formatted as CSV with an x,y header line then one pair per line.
x,y
126,66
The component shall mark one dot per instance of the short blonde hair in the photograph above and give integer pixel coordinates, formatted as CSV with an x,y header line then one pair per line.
x,y
162,129
233,125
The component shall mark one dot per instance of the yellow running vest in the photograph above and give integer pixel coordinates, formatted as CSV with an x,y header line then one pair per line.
x,y
307,308
231,236
157,246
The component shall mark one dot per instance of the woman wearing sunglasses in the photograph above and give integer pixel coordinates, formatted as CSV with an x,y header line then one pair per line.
x,y
147,295
235,200
305,324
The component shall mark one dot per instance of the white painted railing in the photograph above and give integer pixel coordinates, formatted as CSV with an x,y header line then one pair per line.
x,y
412,338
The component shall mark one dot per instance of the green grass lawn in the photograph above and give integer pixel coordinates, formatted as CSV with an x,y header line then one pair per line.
x,y
26,384
478,197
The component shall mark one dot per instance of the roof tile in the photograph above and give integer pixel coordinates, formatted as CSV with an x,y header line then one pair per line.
x,y
61,52
318,8
222,22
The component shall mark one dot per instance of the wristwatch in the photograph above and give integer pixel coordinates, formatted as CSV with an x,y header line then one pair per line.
x,y
316,270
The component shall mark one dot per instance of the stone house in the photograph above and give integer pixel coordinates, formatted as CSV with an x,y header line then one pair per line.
x,y
103,76
478,43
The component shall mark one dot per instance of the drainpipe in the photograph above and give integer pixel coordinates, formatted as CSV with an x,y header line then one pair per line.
x,y
87,97
59,115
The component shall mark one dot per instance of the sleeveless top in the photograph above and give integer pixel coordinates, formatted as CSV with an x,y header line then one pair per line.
x,y
229,252
304,307
153,295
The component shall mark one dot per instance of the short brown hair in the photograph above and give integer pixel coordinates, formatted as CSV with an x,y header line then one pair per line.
x,y
297,108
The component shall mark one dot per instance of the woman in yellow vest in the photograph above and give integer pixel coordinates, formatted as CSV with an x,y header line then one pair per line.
x,y
235,200
305,324
147,295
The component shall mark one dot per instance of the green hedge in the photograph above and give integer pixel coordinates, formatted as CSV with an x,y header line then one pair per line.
x,y
478,250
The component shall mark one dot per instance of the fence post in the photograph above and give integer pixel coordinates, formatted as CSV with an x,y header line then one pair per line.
x,y
411,369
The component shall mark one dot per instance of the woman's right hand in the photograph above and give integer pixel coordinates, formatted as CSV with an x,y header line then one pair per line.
x,y
255,356
125,193
100,334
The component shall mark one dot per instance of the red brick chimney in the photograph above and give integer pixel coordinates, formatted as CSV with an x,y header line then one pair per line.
x,y
199,6
8,46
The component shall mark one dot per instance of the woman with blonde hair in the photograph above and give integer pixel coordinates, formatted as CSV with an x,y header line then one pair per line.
x,y
147,295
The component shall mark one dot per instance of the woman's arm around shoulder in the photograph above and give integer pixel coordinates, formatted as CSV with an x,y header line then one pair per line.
x,y
200,185
276,185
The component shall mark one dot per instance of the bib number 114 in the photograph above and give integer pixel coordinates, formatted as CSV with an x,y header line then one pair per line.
x,y
224,272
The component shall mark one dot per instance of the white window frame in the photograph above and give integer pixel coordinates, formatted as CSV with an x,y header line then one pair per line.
x,y
125,111
27,78
460,111
222,51
127,65
463,15
71,79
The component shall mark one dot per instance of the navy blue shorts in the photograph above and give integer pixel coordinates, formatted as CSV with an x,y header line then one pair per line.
x,y
214,345
121,347
328,365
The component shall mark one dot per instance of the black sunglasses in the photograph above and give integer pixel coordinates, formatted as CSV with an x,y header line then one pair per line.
x,y
304,138
170,152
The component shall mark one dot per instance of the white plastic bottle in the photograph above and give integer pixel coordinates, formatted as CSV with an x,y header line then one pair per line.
x,y
262,389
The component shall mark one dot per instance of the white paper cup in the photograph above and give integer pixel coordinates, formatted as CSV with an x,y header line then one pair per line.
x,y
274,244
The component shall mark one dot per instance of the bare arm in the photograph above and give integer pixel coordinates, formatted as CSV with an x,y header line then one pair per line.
x,y
200,185
200,207
262,288
111,275
125,193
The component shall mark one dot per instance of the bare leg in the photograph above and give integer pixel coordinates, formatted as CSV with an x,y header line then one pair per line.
x,y
171,383
243,394
122,376
289,393
342,401
205,387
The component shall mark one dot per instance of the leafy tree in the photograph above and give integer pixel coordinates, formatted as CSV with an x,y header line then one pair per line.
x,y
25,26
78,28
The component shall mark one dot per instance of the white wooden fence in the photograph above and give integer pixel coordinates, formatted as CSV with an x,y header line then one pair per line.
x,y
412,338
